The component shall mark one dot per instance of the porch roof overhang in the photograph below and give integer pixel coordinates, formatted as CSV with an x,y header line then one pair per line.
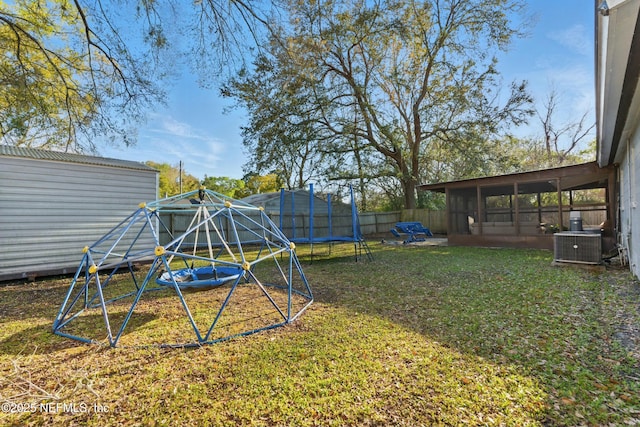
x,y
617,64
575,177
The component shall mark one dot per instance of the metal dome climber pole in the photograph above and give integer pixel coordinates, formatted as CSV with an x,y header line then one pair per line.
x,y
246,271
297,234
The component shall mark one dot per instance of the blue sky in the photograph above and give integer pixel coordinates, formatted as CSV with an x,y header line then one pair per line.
x,y
194,128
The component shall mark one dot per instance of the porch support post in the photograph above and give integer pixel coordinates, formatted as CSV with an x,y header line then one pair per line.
x,y
479,203
517,208
559,203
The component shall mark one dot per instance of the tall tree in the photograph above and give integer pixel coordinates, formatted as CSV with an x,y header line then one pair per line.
x,y
562,140
257,184
281,136
67,77
401,77
75,72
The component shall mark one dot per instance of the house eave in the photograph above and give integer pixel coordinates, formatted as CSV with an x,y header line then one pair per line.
x,y
617,42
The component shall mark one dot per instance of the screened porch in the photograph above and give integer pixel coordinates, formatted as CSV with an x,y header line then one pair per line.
x,y
526,209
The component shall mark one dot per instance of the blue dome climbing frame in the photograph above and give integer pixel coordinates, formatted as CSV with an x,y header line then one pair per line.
x,y
231,272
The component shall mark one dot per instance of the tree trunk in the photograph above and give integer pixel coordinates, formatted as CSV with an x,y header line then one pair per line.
x,y
409,187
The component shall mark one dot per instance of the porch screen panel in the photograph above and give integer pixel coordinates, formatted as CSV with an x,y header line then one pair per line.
x,y
463,205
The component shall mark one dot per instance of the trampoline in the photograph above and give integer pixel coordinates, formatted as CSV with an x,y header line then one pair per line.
x,y
321,221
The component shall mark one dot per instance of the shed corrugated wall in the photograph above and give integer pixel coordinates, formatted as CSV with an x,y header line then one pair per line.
x,y
51,209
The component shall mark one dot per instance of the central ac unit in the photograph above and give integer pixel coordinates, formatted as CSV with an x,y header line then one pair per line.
x,y
578,247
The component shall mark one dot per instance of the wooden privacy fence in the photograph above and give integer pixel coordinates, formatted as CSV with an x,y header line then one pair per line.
x,y
378,222
436,221
370,223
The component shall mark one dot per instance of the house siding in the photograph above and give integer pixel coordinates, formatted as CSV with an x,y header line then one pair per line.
x,y
629,209
50,209
617,53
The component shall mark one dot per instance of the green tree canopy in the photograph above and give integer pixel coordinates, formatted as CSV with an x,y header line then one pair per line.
x,y
397,82
231,187
258,184
68,77
170,180
78,74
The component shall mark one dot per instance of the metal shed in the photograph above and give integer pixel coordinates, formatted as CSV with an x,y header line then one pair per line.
x,y
52,204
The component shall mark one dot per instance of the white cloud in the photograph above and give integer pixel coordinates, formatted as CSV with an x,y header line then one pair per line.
x,y
575,38
185,133
166,139
169,140
575,86
177,129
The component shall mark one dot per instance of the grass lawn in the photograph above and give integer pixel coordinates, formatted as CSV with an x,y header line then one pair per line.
x,y
420,336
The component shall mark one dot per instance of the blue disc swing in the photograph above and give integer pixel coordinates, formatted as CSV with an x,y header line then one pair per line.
x,y
202,277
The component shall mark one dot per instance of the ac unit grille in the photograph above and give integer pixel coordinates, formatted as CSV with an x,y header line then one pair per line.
x,y
575,247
